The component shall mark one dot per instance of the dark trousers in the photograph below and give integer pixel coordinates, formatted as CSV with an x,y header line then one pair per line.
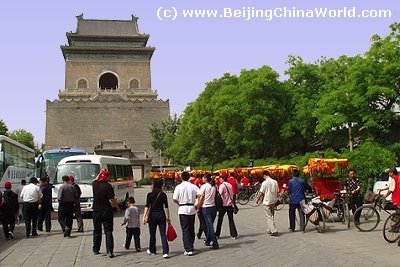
x,y
232,226
355,202
103,219
187,226
202,225
78,215
44,216
292,216
66,217
135,232
31,217
157,218
209,217
8,221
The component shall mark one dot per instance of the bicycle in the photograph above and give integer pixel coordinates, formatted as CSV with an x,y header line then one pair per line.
x,y
340,207
367,217
243,196
253,199
315,215
168,185
391,228
283,198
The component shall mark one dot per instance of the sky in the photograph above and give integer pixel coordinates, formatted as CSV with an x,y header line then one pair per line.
x,y
189,51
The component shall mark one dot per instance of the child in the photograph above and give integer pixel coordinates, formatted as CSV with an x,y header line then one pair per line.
x,y
132,221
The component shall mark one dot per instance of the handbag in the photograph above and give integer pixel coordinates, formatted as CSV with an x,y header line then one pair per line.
x,y
146,218
218,200
234,206
171,233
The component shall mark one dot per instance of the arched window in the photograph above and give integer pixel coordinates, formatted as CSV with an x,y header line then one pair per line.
x,y
82,84
108,81
134,84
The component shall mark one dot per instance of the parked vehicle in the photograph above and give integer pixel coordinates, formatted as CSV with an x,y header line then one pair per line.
x,y
85,169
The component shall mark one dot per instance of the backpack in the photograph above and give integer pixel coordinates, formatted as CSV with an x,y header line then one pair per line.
x,y
218,199
11,201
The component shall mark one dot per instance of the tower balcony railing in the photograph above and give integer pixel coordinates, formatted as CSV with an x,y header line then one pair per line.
x,y
108,91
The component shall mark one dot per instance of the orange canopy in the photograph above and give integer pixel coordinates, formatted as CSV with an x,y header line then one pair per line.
x,y
324,166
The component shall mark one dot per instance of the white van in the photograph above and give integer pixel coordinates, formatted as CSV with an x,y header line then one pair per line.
x,y
85,168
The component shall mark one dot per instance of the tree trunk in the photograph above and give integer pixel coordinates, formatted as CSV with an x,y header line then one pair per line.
x,y
350,136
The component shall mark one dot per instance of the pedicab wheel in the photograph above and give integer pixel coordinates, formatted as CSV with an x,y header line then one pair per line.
x,y
242,198
321,223
346,215
391,228
368,218
253,200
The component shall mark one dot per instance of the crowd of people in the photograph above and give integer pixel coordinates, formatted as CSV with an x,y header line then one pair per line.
x,y
194,196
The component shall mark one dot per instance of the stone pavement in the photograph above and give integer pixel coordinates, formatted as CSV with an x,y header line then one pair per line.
x,y
337,247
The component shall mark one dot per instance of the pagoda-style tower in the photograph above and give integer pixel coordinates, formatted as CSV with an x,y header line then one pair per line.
x,y
107,94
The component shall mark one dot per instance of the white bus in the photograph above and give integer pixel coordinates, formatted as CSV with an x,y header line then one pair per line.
x,y
17,162
85,169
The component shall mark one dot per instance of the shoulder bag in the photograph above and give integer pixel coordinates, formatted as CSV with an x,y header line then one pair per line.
x,y
146,218
234,206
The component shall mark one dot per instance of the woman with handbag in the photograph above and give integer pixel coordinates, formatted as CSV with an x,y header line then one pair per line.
x,y
156,213
207,203
225,189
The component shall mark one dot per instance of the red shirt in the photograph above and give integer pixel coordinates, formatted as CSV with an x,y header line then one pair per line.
x,y
245,182
233,182
396,192
198,181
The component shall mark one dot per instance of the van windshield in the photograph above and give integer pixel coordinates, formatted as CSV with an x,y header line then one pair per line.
x,y
83,173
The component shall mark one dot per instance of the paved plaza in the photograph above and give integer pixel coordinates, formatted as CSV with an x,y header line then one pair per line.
x,y
338,246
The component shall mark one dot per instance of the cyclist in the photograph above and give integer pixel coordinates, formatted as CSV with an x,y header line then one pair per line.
x,y
394,189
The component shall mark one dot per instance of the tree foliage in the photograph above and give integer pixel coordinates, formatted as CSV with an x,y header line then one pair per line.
x,y
24,137
3,128
164,134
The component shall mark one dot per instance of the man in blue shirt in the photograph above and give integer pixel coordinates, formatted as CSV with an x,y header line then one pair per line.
x,y
297,189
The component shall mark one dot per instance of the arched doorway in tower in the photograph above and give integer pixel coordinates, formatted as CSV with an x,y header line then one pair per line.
x,y
108,81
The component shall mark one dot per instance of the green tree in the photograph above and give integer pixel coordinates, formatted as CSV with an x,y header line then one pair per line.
x,y
164,133
380,81
3,128
24,137
233,117
304,90
342,104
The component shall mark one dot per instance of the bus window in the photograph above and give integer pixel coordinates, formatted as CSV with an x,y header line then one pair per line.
x,y
120,173
128,172
112,172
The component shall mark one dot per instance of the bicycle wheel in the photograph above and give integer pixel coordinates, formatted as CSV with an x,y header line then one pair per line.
x,y
242,198
346,213
280,206
391,229
253,199
366,218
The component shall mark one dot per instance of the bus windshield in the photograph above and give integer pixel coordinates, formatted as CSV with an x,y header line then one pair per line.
x,y
46,164
82,173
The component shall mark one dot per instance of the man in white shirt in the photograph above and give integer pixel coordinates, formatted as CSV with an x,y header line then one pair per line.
x,y
31,195
269,194
185,195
